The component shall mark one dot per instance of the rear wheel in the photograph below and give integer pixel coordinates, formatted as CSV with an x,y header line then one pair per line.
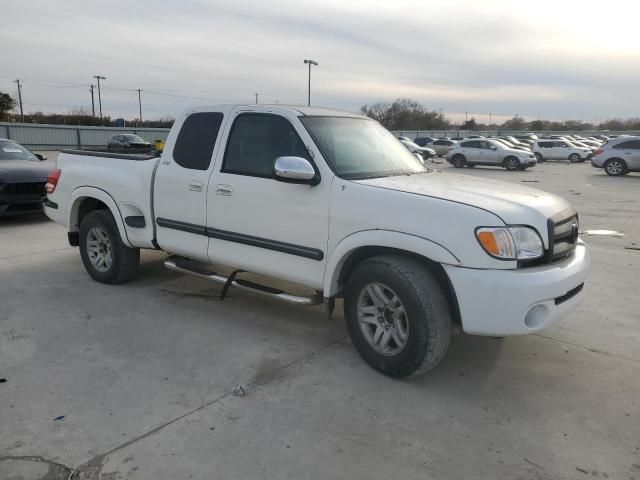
x,y
397,315
615,167
574,157
511,163
458,160
105,257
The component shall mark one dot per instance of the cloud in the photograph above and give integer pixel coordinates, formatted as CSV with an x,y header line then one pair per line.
x,y
555,59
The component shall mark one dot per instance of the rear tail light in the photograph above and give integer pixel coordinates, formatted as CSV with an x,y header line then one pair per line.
x,y
598,151
52,180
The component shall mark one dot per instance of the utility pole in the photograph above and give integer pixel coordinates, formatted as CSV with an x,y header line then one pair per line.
x,y
257,95
99,77
466,116
490,116
17,81
140,106
310,62
93,103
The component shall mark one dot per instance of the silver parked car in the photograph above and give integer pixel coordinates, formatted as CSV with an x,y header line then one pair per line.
x,y
442,146
489,152
618,156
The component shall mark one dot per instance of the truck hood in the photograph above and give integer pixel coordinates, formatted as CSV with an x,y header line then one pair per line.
x,y
24,171
515,204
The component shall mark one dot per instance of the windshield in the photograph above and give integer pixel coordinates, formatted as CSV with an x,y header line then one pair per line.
x,y
13,151
133,138
357,148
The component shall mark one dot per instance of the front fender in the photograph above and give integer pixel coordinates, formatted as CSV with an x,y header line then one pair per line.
x,y
81,193
381,238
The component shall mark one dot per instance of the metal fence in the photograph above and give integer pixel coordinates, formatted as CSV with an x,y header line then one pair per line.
x,y
413,134
57,137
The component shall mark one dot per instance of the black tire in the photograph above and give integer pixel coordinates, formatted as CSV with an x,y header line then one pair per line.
x,y
575,158
615,167
470,165
458,160
124,260
426,313
523,167
511,163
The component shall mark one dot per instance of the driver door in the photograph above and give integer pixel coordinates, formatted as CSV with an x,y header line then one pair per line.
x,y
257,223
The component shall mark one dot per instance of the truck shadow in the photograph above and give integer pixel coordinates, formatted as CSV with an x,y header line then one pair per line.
x,y
23,220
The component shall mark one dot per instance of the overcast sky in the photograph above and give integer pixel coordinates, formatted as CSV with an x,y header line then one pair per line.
x,y
542,59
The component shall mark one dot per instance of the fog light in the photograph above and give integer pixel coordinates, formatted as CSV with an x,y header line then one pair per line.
x,y
536,316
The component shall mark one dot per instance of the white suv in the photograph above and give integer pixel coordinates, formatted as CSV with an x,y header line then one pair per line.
x,y
557,149
489,152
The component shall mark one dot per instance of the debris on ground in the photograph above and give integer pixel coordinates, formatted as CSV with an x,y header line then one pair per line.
x,y
606,233
529,181
60,418
582,470
3,380
241,390
532,463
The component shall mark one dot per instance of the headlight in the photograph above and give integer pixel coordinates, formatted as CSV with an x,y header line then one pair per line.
x,y
511,243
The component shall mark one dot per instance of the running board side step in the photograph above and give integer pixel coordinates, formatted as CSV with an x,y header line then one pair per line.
x,y
199,269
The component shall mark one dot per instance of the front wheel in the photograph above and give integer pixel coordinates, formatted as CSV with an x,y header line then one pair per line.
x,y
511,163
397,315
615,167
574,158
105,257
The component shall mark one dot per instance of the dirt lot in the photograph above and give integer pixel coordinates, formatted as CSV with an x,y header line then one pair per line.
x,y
134,381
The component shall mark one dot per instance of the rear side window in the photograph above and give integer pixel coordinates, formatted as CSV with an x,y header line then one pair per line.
x,y
632,145
545,144
256,140
197,137
472,144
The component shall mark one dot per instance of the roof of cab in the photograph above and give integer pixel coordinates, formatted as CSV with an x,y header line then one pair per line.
x,y
301,110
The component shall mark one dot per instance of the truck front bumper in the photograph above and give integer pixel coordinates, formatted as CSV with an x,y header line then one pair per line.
x,y
523,301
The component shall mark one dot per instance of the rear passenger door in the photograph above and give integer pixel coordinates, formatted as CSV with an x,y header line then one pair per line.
x,y
181,182
472,151
546,150
490,153
560,150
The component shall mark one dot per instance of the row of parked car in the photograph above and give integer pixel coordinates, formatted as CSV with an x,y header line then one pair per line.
x,y
618,155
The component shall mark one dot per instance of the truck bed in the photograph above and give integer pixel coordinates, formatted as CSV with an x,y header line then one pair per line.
x,y
124,179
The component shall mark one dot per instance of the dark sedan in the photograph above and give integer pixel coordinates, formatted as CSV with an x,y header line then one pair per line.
x,y
22,179
128,141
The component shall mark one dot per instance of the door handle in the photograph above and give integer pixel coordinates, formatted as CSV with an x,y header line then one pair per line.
x,y
195,186
224,190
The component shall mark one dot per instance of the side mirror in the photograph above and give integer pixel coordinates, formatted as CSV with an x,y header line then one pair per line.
x,y
40,156
295,170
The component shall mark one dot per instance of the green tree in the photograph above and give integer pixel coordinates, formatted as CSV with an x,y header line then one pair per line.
x,y
6,104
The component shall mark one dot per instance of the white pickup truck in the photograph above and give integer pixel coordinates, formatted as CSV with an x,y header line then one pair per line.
x,y
334,202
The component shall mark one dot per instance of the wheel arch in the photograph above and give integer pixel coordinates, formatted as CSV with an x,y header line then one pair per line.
x,y
88,199
364,245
